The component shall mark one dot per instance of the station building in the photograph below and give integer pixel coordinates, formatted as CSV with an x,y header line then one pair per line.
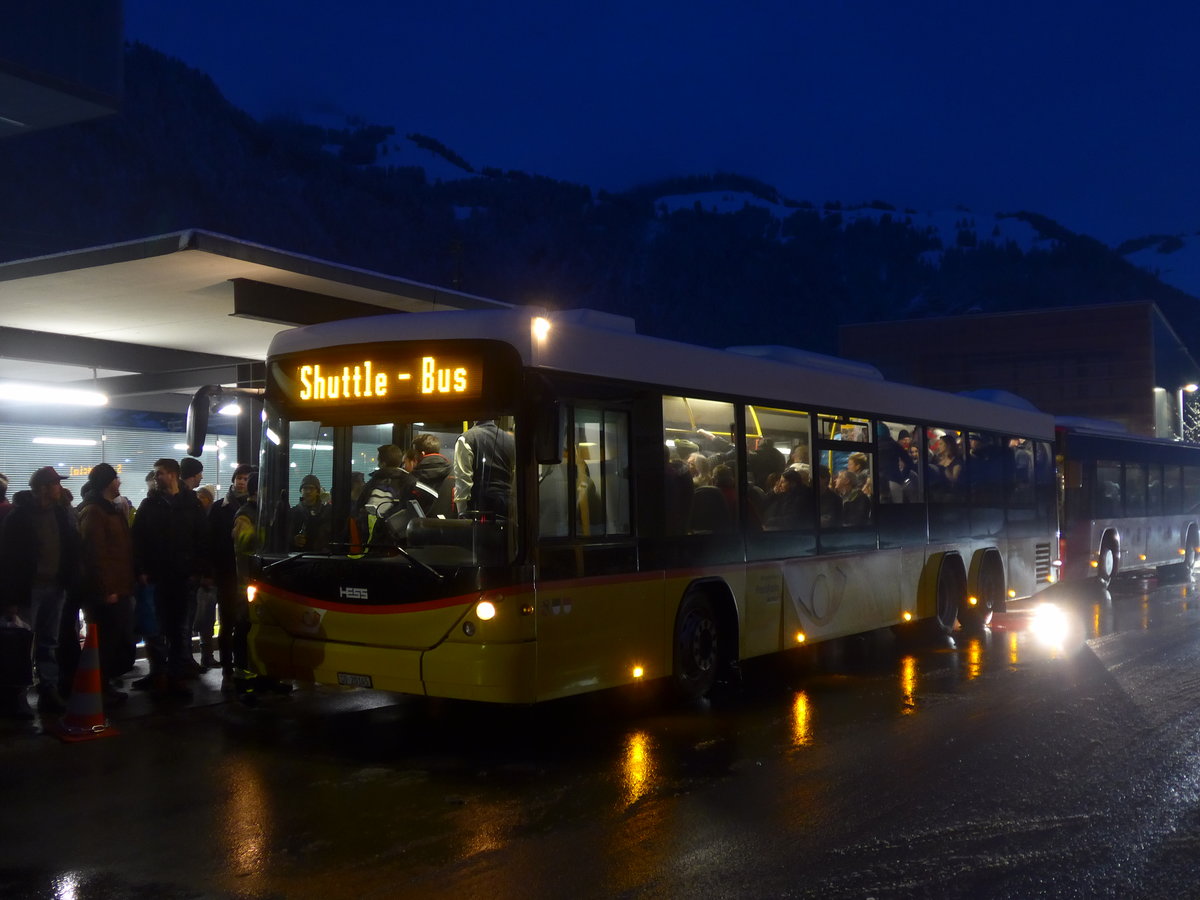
x,y
1118,362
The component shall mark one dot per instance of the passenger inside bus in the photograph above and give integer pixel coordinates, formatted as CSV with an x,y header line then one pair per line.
x,y
856,505
789,506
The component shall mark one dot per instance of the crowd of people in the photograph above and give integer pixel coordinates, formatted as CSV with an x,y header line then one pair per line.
x,y
702,486
157,574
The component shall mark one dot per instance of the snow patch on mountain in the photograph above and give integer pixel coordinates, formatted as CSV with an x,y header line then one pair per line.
x,y
1174,259
954,228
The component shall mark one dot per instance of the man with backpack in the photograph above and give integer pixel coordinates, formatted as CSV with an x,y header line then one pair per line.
x,y
384,501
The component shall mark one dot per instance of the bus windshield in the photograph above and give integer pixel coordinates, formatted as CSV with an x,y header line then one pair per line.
x,y
441,493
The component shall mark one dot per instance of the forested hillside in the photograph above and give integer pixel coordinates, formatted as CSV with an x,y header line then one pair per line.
x,y
767,270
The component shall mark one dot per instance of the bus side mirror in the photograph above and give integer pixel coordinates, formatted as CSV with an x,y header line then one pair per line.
x,y
548,441
197,418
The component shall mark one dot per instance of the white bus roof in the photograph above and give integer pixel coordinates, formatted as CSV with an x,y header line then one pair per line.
x,y
603,345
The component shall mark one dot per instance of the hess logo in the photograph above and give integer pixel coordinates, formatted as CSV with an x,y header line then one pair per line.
x,y
352,593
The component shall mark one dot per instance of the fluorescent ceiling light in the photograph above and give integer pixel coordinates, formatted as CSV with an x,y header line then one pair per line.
x,y
37,393
65,442
312,446
208,448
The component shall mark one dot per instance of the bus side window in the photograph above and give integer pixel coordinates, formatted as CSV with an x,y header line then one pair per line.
x,y
589,490
700,457
898,476
553,513
1135,489
1154,487
601,472
1106,492
779,481
1191,489
1172,490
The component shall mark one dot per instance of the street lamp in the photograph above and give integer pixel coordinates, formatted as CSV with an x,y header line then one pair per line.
x,y
1190,388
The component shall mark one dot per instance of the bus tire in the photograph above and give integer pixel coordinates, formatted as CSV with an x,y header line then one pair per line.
x,y
951,594
986,585
698,647
1189,549
1106,570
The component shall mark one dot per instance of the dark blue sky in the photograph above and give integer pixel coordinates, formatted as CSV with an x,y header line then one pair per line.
x,y
1082,111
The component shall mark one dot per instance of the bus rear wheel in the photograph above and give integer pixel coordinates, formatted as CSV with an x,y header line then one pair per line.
x,y
988,592
698,647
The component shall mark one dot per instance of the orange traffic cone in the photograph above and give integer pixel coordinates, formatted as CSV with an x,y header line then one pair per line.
x,y
84,718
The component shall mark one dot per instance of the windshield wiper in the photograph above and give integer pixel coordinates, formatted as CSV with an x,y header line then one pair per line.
x,y
292,557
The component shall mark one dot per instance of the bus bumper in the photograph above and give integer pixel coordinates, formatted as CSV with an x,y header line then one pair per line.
x,y
491,672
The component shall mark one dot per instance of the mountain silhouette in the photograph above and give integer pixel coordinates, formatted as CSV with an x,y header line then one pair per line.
x,y
717,259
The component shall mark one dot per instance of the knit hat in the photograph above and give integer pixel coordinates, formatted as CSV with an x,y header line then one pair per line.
x,y
101,476
310,479
189,466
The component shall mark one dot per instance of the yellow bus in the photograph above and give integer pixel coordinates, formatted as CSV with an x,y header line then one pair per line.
x,y
615,508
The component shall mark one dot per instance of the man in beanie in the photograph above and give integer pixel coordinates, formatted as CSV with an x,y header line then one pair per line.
x,y
191,473
311,520
39,556
108,576
224,563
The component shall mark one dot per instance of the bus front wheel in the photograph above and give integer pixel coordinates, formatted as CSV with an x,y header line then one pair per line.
x,y
698,647
1106,570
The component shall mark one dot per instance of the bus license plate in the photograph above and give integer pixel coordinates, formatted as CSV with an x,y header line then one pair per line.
x,y
352,680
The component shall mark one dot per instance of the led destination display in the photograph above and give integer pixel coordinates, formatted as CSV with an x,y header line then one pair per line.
x,y
324,381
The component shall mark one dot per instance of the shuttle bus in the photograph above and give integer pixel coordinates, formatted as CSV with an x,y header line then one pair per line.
x,y
615,507
1127,503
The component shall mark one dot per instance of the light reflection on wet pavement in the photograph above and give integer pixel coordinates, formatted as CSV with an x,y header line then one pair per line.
x,y
827,773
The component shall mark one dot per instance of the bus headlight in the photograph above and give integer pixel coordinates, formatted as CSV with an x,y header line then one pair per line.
x,y
251,592
485,610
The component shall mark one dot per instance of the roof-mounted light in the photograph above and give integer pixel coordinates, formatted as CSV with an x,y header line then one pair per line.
x,y
16,392
541,328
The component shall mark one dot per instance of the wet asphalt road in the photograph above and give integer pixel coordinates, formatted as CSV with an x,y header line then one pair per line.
x,y
1056,756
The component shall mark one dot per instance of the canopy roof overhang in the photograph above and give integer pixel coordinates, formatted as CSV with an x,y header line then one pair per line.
x,y
175,311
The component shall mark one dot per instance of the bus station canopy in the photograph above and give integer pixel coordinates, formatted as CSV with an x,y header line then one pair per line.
x,y
176,311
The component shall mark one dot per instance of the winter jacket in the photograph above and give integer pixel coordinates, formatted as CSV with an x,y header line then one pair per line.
x,y
107,549
170,537
433,472
19,550
220,540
